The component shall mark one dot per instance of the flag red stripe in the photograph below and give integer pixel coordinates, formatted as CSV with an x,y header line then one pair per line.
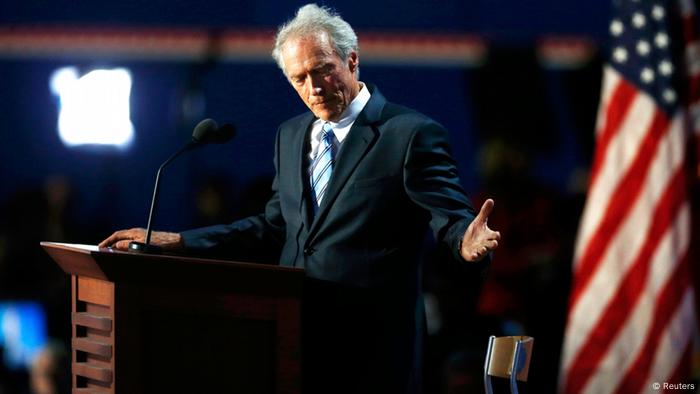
x,y
619,104
617,310
619,205
666,306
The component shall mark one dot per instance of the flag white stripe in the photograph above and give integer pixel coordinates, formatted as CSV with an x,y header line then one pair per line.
x,y
621,152
631,338
625,245
611,79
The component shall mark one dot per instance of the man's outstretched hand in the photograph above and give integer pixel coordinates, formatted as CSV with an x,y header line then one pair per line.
x,y
479,239
120,239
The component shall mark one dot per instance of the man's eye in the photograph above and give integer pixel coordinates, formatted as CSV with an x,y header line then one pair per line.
x,y
325,70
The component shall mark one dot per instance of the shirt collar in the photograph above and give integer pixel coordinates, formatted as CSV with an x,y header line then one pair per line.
x,y
347,119
353,110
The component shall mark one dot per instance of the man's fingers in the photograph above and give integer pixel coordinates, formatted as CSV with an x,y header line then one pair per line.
x,y
491,245
492,236
116,236
122,245
110,240
120,239
480,252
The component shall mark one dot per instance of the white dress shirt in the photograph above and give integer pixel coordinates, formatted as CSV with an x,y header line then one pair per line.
x,y
342,127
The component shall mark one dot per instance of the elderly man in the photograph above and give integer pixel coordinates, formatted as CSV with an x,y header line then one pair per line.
x,y
358,182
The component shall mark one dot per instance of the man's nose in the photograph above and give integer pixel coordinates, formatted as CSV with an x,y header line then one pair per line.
x,y
315,86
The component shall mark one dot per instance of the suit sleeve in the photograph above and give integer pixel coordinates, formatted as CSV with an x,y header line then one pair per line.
x,y
431,181
259,235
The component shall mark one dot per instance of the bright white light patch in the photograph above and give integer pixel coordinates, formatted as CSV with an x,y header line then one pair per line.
x,y
94,107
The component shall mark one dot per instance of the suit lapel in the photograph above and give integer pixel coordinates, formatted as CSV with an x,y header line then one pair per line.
x,y
300,146
358,141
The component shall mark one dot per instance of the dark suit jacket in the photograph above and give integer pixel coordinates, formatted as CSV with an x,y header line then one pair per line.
x,y
393,178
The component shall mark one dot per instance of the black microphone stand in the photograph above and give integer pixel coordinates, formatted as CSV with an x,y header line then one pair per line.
x,y
146,247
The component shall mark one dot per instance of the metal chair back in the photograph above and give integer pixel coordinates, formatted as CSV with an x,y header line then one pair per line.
x,y
508,357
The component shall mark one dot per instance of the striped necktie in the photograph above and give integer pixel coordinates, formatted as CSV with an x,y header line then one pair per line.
x,y
322,165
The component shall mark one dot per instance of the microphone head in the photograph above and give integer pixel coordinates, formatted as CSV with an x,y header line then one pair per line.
x,y
209,132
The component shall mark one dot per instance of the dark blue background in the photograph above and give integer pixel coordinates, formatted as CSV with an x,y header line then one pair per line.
x,y
518,20
542,118
115,186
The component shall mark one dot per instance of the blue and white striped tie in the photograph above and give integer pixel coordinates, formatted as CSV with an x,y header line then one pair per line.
x,y
322,165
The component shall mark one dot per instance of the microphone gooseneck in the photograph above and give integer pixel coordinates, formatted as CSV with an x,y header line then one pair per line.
x,y
206,132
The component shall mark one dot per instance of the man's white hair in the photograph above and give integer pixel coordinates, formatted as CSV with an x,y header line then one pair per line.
x,y
311,20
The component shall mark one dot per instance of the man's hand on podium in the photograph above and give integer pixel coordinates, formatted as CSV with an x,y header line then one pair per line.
x,y
120,239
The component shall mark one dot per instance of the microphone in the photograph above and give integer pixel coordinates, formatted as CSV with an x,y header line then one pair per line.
x,y
206,132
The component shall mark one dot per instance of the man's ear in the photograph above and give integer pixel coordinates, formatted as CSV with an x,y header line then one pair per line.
x,y
353,61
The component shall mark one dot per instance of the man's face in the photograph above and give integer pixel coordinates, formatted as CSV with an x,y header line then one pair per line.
x,y
325,82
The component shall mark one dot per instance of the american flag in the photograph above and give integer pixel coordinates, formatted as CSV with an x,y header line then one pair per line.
x,y
632,304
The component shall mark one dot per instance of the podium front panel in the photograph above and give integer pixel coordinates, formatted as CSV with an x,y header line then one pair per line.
x,y
144,324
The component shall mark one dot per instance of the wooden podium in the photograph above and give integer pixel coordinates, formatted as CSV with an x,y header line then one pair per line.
x,y
160,323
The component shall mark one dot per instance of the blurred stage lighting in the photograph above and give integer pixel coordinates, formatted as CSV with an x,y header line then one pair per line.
x,y
22,333
94,108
